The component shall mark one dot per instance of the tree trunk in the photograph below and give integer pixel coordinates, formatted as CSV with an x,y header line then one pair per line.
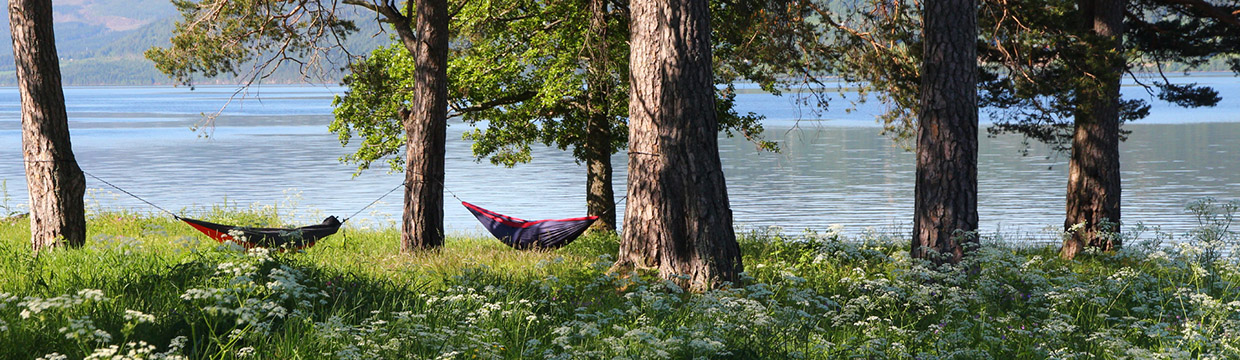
x,y
946,189
600,198
1093,173
426,130
677,219
56,184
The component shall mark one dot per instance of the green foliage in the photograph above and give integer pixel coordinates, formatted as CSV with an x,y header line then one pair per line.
x,y
521,71
517,73
1037,84
1035,59
1214,237
378,86
219,37
154,286
7,207
878,44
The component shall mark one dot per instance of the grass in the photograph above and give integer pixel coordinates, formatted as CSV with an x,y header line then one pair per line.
x,y
150,287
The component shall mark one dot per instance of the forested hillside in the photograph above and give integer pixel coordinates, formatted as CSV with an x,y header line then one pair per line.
x,y
100,42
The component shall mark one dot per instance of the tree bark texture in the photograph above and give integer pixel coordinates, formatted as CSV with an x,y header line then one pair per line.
x,y
426,131
1093,171
677,219
56,183
600,197
946,188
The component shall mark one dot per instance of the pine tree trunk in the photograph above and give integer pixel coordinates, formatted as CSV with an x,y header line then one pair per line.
x,y
1093,172
600,197
946,188
677,219
426,131
55,181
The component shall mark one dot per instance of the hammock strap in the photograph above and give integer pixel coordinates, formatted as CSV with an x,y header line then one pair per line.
x,y
445,188
174,215
131,194
372,203
441,184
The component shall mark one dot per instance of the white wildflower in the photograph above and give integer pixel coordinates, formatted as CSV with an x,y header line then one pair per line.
x,y
245,351
138,316
53,356
1123,274
133,350
34,305
5,299
83,329
91,294
260,253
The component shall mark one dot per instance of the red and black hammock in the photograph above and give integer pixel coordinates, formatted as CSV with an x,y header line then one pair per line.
x,y
527,234
272,238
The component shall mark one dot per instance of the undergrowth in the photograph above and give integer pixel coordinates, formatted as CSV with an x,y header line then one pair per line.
x,y
150,287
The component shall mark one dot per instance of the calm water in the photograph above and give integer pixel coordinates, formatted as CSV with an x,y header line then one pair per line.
x,y
273,149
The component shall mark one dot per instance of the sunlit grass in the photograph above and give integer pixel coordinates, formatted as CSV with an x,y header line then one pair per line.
x,y
154,287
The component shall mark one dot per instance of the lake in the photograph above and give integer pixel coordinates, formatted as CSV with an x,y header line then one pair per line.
x,y
272,148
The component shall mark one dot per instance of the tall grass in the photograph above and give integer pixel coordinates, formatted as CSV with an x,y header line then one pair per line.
x,y
150,287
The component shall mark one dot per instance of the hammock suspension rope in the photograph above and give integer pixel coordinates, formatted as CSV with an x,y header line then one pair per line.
x,y
517,233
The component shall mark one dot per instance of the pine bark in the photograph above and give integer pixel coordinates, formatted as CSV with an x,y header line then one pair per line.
x,y
426,130
600,197
1093,171
55,181
945,208
677,219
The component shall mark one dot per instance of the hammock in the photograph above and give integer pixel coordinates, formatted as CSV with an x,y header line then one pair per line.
x,y
517,233
526,234
251,237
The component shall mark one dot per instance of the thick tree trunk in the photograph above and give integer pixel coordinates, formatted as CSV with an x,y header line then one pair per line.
x,y
426,131
600,198
55,181
1093,173
677,219
946,188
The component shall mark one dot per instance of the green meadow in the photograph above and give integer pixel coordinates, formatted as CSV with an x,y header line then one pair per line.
x,y
148,287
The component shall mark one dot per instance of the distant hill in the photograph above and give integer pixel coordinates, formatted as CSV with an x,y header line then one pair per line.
x,y
100,42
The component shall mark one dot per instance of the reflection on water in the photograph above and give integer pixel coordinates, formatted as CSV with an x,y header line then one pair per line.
x,y
833,172
851,176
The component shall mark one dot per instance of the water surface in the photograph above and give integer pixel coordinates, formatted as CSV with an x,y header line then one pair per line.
x,y
272,148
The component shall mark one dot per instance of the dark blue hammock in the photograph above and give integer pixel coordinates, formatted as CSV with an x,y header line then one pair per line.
x,y
527,234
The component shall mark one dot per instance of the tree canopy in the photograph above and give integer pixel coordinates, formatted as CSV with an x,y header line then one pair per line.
x,y
251,39
518,75
1030,56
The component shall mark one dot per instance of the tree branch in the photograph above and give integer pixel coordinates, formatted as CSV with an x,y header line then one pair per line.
x,y
364,4
1209,10
506,100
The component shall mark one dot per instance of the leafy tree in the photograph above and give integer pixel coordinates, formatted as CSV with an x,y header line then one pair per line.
x,y
56,183
520,75
1050,70
555,73
256,37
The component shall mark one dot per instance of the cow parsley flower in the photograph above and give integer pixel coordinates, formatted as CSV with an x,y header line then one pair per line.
x,y
138,316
